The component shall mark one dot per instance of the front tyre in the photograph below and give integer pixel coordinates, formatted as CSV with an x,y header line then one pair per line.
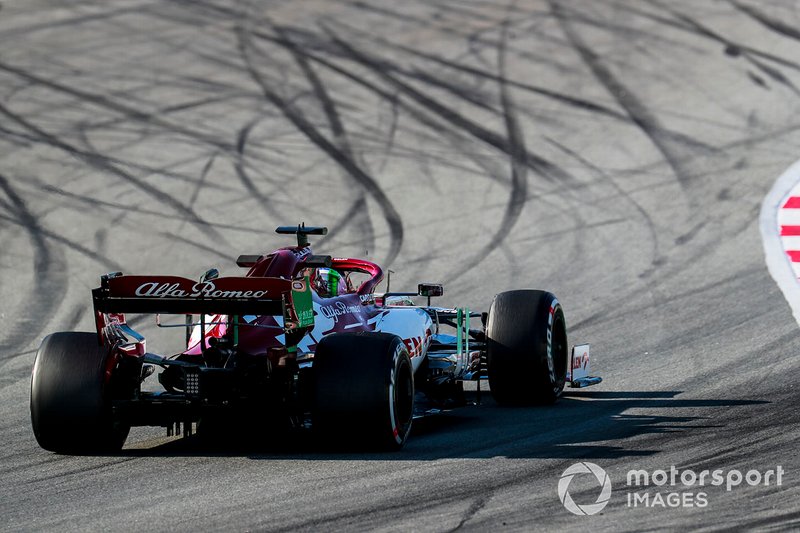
x,y
70,396
527,347
363,391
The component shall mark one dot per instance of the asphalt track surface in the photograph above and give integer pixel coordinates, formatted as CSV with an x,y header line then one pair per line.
x,y
614,152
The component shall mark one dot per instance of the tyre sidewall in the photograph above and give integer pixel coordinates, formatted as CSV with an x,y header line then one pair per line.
x,y
70,400
522,330
401,371
359,379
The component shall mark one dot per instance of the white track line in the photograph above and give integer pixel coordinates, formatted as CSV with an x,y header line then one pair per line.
x,y
773,216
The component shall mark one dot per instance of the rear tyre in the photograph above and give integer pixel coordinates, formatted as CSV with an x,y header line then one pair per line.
x,y
70,396
527,348
363,391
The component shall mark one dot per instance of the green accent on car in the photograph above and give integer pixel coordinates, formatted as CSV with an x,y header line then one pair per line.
x,y
333,283
459,328
303,308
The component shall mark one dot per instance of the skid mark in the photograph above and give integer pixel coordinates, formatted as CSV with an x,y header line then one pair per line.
x,y
657,259
50,278
360,217
202,180
639,114
102,163
214,250
692,26
107,263
437,127
241,171
518,167
296,117
538,164
89,201
70,22
772,23
102,101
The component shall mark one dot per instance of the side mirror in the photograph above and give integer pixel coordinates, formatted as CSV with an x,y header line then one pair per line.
x,y
430,289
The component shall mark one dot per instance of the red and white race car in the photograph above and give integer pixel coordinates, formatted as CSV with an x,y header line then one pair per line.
x,y
298,343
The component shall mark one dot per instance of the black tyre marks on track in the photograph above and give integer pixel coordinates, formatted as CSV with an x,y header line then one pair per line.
x,y
202,180
518,151
477,73
518,160
88,201
438,127
675,151
538,164
454,125
104,102
638,112
732,48
107,263
50,279
298,119
658,259
769,22
571,101
102,163
240,165
359,214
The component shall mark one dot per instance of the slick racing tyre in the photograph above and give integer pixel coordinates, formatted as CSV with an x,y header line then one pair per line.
x,y
527,348
363,391
70,406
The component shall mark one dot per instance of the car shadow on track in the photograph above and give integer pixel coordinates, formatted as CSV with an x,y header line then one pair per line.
x,y
583,424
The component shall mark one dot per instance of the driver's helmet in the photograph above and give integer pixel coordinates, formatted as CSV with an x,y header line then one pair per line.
x,y
328,283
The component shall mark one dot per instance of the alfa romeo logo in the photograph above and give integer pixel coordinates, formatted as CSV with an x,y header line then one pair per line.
x,y
602,479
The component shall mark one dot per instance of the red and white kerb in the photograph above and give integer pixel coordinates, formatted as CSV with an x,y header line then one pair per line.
x,y
789,229
779,222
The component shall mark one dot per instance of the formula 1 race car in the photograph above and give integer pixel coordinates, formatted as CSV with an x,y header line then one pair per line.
x,y
299,343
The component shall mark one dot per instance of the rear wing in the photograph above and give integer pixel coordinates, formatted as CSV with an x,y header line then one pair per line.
x,y
176,295
236,296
